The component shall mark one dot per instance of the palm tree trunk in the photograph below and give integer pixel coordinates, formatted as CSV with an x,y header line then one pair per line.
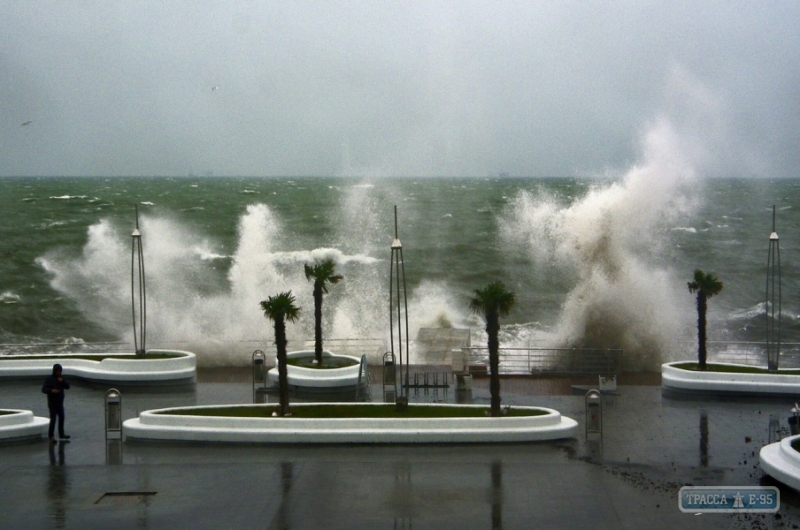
x,y
283,377
318,323
492,329
701,330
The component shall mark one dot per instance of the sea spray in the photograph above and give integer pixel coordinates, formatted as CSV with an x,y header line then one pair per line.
x,y
201,299
365,225
188,306
361,298
451,256
96,276
613,239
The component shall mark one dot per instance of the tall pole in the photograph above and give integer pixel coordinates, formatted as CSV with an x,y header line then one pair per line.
x,y
138,291
397,277
773,299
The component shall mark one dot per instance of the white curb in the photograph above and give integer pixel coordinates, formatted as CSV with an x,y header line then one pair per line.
x,y
782,462
160,425
129,370
673,378
21,424
315,378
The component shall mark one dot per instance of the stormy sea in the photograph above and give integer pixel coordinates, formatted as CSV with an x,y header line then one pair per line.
x,y
593,262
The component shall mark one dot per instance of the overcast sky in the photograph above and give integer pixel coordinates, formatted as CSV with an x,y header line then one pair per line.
x,y
380,88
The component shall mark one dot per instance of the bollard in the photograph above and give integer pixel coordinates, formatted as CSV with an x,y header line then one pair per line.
x,y
389,378
794,420
774,429
113,412
389,373
259,376
594,412
259,367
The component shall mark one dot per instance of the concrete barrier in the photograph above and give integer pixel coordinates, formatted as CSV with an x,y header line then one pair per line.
x,y
782,462
299,376
678,379
21,424
161,425
181,368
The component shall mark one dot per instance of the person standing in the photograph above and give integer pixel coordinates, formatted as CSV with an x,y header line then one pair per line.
x,y
54,386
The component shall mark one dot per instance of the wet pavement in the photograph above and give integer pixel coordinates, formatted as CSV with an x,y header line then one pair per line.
x,y
628,478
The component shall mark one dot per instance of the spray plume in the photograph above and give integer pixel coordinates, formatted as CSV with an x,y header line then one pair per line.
x,y
613,239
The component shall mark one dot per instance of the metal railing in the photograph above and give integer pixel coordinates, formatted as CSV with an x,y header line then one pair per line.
x,y
536,360
549,361
364,383
372,348
77,346
740,352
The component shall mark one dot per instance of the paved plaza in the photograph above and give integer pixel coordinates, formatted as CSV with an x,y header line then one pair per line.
x,y
650,447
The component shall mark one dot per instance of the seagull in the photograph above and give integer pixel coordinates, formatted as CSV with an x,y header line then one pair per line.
x,y
214,88
23,124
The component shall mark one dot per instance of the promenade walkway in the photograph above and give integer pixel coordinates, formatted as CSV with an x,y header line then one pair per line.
x,y
651,446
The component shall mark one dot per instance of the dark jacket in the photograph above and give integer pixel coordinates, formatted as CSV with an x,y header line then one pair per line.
x,y
51,382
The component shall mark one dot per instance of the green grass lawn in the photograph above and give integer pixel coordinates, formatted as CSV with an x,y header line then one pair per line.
x,y
724,368
89,357
350,410
327,362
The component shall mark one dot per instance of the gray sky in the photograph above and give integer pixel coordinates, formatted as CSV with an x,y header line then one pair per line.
x,y
379,88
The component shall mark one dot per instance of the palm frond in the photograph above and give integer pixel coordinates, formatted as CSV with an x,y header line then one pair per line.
x,y
324,273
281,306
708,284
494,298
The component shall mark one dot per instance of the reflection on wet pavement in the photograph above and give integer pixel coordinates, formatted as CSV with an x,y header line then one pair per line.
x,y
629,477
58,484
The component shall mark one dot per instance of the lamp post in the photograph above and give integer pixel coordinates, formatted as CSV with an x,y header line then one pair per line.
x,y
773,302
397,276
138,292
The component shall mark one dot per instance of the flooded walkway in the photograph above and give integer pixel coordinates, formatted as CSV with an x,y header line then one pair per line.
x,y
629,478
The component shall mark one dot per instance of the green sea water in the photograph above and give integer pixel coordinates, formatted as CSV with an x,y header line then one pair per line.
x,y
601,263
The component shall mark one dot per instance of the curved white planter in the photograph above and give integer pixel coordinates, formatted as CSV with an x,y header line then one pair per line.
x,y
21,425
673,378
182,368
160,425
314,378
782,462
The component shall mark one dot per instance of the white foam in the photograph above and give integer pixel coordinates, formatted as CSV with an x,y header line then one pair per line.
x,y
317,254
623,298
9,297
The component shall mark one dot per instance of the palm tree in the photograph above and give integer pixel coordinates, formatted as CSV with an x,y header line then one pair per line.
x,y
323,272
493,301
706,286
279,309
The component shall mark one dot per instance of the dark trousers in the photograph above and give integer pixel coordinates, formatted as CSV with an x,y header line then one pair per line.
x,y
56,411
